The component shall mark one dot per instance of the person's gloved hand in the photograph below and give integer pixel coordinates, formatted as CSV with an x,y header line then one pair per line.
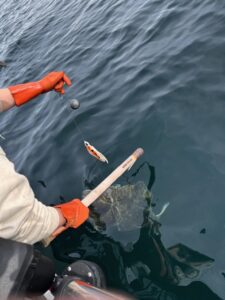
x,y
56,81
75,213
23,93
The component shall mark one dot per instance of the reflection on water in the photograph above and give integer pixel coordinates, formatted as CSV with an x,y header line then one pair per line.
x,y
123,237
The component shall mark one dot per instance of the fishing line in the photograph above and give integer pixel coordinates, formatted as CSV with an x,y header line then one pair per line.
x,y
79,129
75,104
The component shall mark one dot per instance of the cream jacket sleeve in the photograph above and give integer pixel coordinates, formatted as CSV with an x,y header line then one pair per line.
x,y
22,217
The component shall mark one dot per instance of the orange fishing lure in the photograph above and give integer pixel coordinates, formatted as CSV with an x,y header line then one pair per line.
x,y
94,152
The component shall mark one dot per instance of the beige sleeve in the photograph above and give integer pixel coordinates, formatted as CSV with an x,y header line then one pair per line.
x,y
22,217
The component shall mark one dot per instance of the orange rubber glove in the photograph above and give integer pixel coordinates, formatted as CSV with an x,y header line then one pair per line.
x,y
75,213
23,93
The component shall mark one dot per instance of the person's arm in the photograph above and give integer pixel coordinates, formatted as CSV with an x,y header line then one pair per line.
x,y
6,100
22,93
23,218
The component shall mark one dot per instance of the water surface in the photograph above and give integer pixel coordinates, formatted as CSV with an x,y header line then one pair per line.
x,y
147,73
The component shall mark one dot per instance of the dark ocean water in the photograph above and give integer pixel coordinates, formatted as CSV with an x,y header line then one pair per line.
x,y
147,73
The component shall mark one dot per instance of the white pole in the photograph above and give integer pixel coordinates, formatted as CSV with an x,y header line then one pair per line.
x,y
108,181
